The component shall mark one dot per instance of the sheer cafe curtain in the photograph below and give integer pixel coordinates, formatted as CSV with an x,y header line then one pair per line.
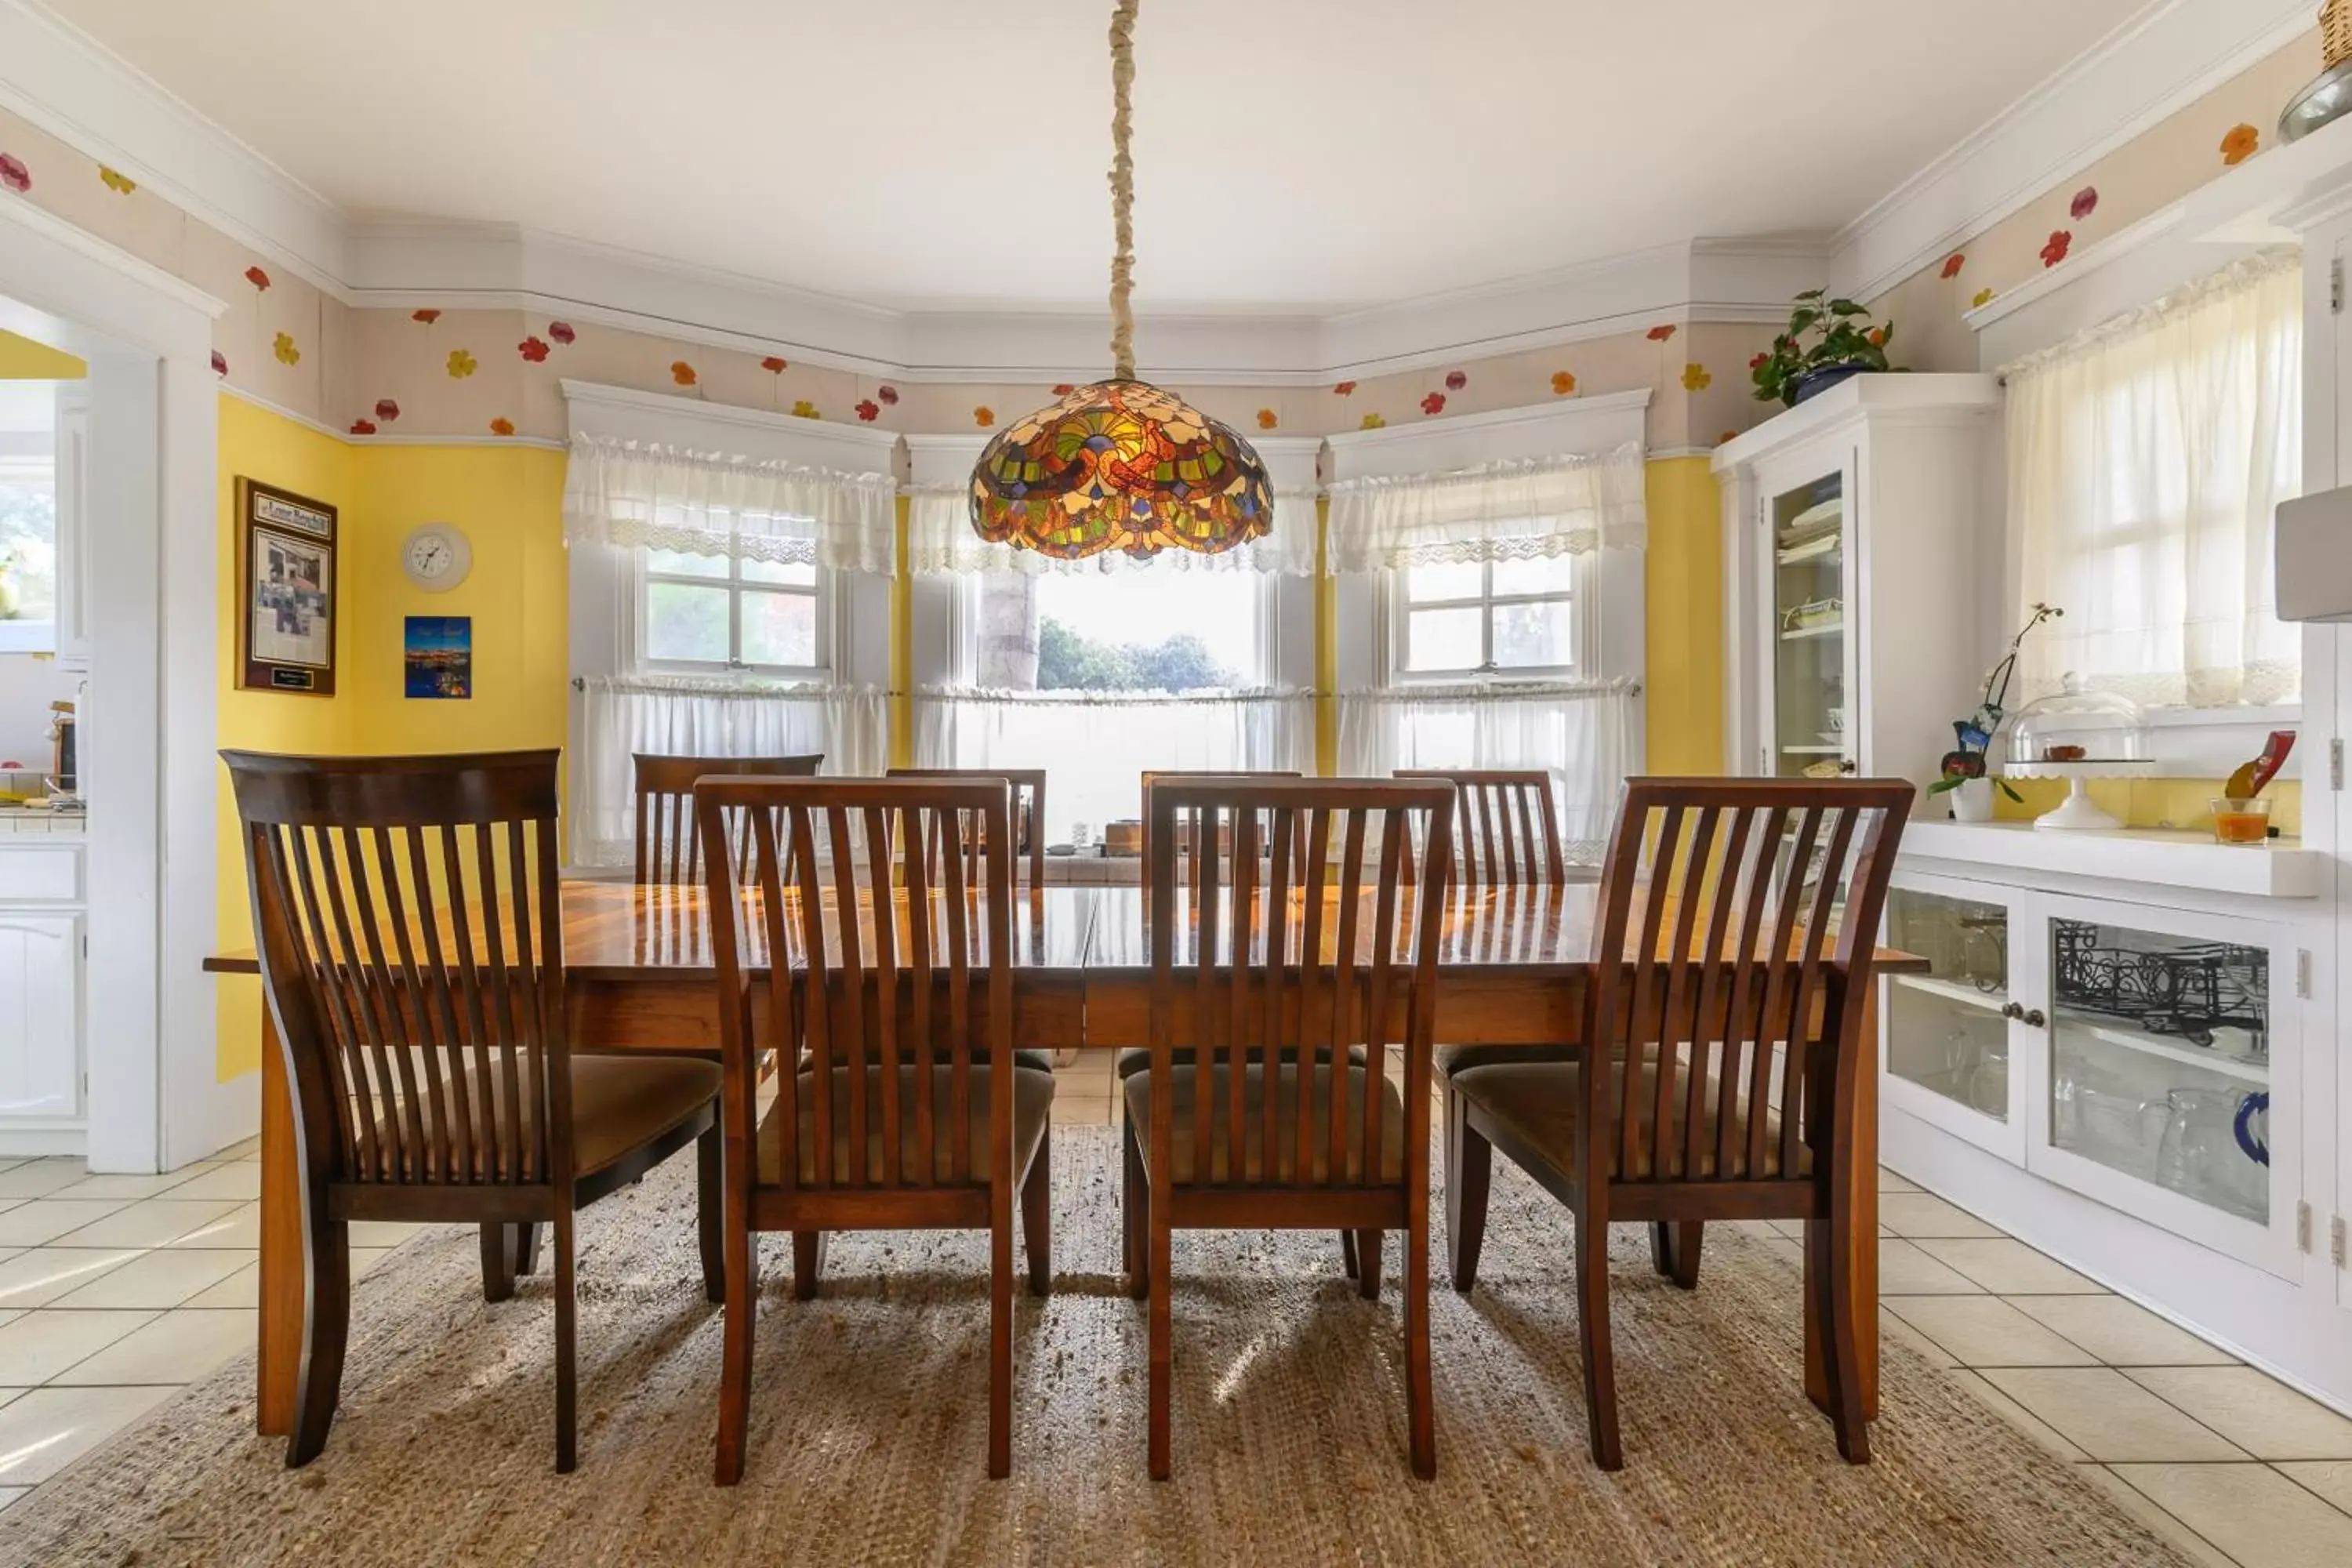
x,y
622,498
1586,729
2146,458
1096,745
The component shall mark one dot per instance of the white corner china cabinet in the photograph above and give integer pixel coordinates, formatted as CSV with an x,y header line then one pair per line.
x,y
1854,533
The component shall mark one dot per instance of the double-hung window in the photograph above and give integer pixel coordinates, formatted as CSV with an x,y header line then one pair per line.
x,y
706,614
1461,620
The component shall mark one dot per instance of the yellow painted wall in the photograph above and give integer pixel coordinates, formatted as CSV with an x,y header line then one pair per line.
x,y
2153,803
1682,685
508,502
21,359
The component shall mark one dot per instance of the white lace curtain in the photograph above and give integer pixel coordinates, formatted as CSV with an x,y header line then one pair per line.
x,y
2146,459
641,493
1498,511
1587,734
1106,741
940,538
618,717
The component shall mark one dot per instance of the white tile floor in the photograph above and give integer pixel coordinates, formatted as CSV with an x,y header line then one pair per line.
x,y
117,1290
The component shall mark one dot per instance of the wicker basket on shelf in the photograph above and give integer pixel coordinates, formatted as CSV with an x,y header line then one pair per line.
x,y
2335,31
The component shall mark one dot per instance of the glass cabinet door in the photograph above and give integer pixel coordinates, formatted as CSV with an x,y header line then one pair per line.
x,y
1809,526
1947,1031
2158,1097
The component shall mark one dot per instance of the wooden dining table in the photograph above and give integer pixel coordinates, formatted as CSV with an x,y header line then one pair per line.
x,y
639,976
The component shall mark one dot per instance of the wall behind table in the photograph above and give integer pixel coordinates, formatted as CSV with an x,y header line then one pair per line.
x,y
508,500
1683,680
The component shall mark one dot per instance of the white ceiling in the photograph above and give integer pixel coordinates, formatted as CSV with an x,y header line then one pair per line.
x,y
1292,154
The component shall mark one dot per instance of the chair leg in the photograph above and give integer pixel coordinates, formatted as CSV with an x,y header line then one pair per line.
x,y
710,1206
1593,1314
1000,1341
1469,1179
567,1356
1348,1252
1420,1418
808,1263
318,1381
1675,1249
1037,1220
510,1252
1135,1217
735,1349
1157,1267
1842,1356
1367,1264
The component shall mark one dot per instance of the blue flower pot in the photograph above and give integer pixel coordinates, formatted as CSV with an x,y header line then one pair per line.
x,y
1814,383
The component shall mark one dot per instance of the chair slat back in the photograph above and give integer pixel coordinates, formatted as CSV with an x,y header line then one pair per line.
x,y
409,924
865,975
1297,954
668,839
1028,821
1189,850
1506,828
1738,923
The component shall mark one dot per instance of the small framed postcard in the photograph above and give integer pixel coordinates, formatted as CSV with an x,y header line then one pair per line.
x,y
286,575
436,655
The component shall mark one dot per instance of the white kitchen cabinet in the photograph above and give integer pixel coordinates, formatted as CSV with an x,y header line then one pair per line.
x,y
44,1099
1856,529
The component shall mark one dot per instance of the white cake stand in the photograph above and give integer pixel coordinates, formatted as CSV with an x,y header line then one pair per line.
x,y
2078,813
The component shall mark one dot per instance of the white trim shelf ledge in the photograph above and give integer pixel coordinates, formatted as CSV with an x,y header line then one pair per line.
x,y
2169,858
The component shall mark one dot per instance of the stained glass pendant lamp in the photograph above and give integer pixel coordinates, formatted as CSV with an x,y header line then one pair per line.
x,y
1120,464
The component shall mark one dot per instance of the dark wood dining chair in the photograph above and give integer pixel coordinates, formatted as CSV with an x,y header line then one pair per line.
x,y
1733,946
895,1119
1028,817
1506,829
1254,1131
410,932
669,845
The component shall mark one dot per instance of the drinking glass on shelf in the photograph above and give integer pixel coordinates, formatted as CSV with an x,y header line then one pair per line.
x,y
1082,837
2241,821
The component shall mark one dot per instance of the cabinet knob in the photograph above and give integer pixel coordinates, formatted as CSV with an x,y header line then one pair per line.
x,y
2014,1010
2033,1016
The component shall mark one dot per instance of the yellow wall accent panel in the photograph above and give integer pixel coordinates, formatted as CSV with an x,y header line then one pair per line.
x,y
1682,685
21,359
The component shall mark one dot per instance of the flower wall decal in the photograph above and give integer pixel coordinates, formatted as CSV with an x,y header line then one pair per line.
x,y
1455,380
14,174
682,372
562,333
220,362
387,409
1696,378
888,394
1727,437
1344,389
502,425
775,366
115,180
2085,203
533,350
1433,404
258,278
461,364
868,410
1372,422
1983,298
363,427
424,318
2054,251
1953,263
283,347
983,417
1063,388
1759,361
1563,383
1266,419
804,409
2241,144
1660,334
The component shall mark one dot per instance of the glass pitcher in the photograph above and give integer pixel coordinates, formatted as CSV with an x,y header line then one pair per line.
x,y
2213,1148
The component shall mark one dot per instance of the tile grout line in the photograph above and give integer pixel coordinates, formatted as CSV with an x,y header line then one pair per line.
x,y
2178,1523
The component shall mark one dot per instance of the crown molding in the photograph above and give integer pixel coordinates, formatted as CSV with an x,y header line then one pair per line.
x,y
2157,63
625,413
1506,435
321,427
146,274
74,88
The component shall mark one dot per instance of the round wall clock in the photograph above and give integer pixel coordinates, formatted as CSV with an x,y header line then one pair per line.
x,y
436,557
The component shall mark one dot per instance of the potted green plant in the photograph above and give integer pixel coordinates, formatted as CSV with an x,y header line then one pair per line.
x,y
1964,766
1827,342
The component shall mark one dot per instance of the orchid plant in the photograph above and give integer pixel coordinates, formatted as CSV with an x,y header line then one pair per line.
x,y
1975,733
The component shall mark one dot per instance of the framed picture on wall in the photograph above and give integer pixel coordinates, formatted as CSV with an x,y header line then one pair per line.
x,y
285,573
436,655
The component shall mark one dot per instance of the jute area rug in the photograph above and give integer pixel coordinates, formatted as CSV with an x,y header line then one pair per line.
x,y
867,1436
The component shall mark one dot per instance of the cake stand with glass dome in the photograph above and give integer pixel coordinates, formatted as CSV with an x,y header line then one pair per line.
x,y
2078,734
